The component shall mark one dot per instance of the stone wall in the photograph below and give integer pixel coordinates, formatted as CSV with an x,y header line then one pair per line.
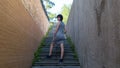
x,y
21,29
94,26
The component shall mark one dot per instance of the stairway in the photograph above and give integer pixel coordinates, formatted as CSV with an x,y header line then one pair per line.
x,y
69,57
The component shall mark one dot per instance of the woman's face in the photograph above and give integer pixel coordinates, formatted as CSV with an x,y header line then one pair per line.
x,y
58,18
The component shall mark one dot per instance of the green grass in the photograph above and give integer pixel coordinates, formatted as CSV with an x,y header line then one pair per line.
x,y
38,51
72,47
42,44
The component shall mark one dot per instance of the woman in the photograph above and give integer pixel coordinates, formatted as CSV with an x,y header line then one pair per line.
x,y
58,37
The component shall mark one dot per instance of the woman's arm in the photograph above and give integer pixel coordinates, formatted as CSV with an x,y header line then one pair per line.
x,y
65,30
57,27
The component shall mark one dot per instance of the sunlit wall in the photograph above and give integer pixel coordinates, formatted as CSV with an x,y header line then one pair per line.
x,y
22,25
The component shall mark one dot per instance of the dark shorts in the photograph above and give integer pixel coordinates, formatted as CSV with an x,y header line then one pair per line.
x,y
58,42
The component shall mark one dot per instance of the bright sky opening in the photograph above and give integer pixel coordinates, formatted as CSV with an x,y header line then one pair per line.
x,y
58,5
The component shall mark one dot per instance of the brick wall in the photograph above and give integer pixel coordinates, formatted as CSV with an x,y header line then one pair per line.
x,y
94,26
21,29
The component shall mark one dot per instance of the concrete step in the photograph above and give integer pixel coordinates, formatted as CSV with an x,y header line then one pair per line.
x,y
65,44
56,57
54,53
56,62
57,51
47,48
50,41
56,67
56,46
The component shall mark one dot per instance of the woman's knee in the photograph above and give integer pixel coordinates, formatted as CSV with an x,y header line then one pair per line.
x,y
62,45
52,43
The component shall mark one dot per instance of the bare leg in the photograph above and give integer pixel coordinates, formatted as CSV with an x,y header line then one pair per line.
x,y
51,48
62,50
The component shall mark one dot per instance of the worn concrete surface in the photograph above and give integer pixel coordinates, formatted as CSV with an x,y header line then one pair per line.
x,y
94,26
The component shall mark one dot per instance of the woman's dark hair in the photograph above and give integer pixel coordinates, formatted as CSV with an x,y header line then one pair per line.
x,y
61,17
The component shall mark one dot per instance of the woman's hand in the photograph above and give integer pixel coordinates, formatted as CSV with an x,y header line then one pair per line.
x,y
65,31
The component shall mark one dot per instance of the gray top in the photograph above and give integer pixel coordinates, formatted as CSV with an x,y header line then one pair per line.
x,y
60,34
